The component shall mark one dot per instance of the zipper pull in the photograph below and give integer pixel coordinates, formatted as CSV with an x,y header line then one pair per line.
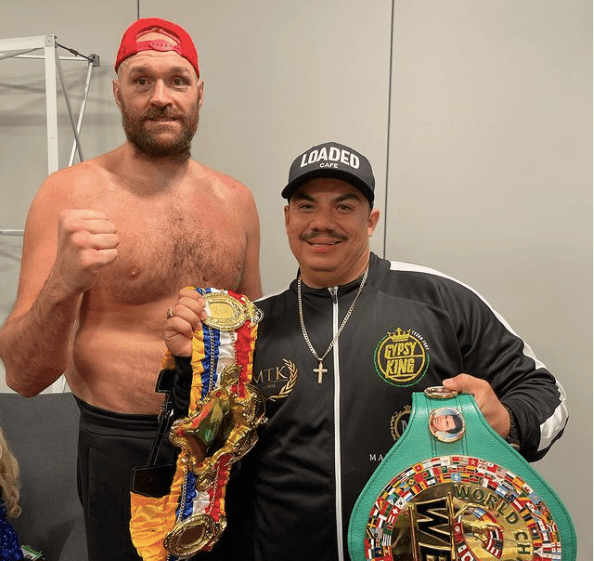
x,y
334,293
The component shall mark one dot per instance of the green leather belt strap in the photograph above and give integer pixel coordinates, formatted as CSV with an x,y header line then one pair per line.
x,y
452,489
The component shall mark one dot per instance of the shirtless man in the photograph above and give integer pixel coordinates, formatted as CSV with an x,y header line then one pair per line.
x,y
108,244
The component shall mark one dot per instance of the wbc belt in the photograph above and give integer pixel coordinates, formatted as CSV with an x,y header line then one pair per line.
x,y
187,514
451,489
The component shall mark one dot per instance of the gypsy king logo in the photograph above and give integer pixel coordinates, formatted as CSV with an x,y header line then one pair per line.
x,y
402,357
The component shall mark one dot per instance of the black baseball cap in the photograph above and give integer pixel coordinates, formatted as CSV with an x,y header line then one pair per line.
x,y
332,160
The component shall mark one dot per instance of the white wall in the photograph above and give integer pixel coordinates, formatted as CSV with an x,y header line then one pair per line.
x,y
478,119
490,181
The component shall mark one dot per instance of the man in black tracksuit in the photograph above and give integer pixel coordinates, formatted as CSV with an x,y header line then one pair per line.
x,y
339,390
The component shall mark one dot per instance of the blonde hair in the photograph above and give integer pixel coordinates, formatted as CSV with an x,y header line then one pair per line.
x,y
9,478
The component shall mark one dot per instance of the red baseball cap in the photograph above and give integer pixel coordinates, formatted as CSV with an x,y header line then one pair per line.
x,y
132,42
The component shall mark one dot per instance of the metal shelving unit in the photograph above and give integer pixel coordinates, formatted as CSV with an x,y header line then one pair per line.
x,y
45,47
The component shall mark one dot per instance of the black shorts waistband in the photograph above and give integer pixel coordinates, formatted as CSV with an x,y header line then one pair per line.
x,y
95,417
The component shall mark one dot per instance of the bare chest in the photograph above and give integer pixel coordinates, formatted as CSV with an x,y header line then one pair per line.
x,y
167,245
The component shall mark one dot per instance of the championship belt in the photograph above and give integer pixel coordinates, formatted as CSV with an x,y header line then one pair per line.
x,y
220,428
451,489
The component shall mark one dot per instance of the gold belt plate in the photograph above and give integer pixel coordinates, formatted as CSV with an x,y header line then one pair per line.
x,y
192,535
227,313
460,508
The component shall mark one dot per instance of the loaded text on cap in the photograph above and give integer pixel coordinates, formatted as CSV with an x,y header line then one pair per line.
x,y
331,154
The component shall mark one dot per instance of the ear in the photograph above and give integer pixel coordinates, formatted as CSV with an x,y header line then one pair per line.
x,y
372,221
200,93
116,93
287,217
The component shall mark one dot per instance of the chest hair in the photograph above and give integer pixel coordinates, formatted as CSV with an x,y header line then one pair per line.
x,y
168,247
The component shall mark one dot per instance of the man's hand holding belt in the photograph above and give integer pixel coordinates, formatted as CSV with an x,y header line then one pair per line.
x,y
182,321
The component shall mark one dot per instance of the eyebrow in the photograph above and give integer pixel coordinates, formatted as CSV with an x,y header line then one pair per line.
x,y
176,69
344,197
302,197
347,197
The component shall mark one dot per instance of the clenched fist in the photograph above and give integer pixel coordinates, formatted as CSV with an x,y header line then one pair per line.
x,y
87,241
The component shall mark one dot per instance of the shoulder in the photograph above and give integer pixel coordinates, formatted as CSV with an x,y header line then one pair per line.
x,y
276,307
275,300
222,184
66,185
227,193
275,296
425,283
422,273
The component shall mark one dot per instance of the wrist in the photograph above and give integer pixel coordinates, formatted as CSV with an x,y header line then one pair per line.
x,y
513,437
57,290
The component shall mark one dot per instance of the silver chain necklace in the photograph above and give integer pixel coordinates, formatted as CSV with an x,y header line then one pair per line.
x,y
320,370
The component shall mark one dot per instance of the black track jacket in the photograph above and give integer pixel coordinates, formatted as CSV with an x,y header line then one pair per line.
x,y
411,327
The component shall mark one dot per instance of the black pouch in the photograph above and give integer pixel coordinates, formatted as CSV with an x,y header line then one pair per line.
x,y
153,481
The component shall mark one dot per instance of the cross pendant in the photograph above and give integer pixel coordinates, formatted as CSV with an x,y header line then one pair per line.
x,y
320,370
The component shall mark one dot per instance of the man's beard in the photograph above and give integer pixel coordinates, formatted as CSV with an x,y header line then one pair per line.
x,y
149,144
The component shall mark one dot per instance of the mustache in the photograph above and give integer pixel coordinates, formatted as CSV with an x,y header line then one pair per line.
x,y
156,112
313,234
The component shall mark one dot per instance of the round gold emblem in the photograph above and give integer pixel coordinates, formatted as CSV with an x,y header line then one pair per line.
x,y
192,535
440,392
227,313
